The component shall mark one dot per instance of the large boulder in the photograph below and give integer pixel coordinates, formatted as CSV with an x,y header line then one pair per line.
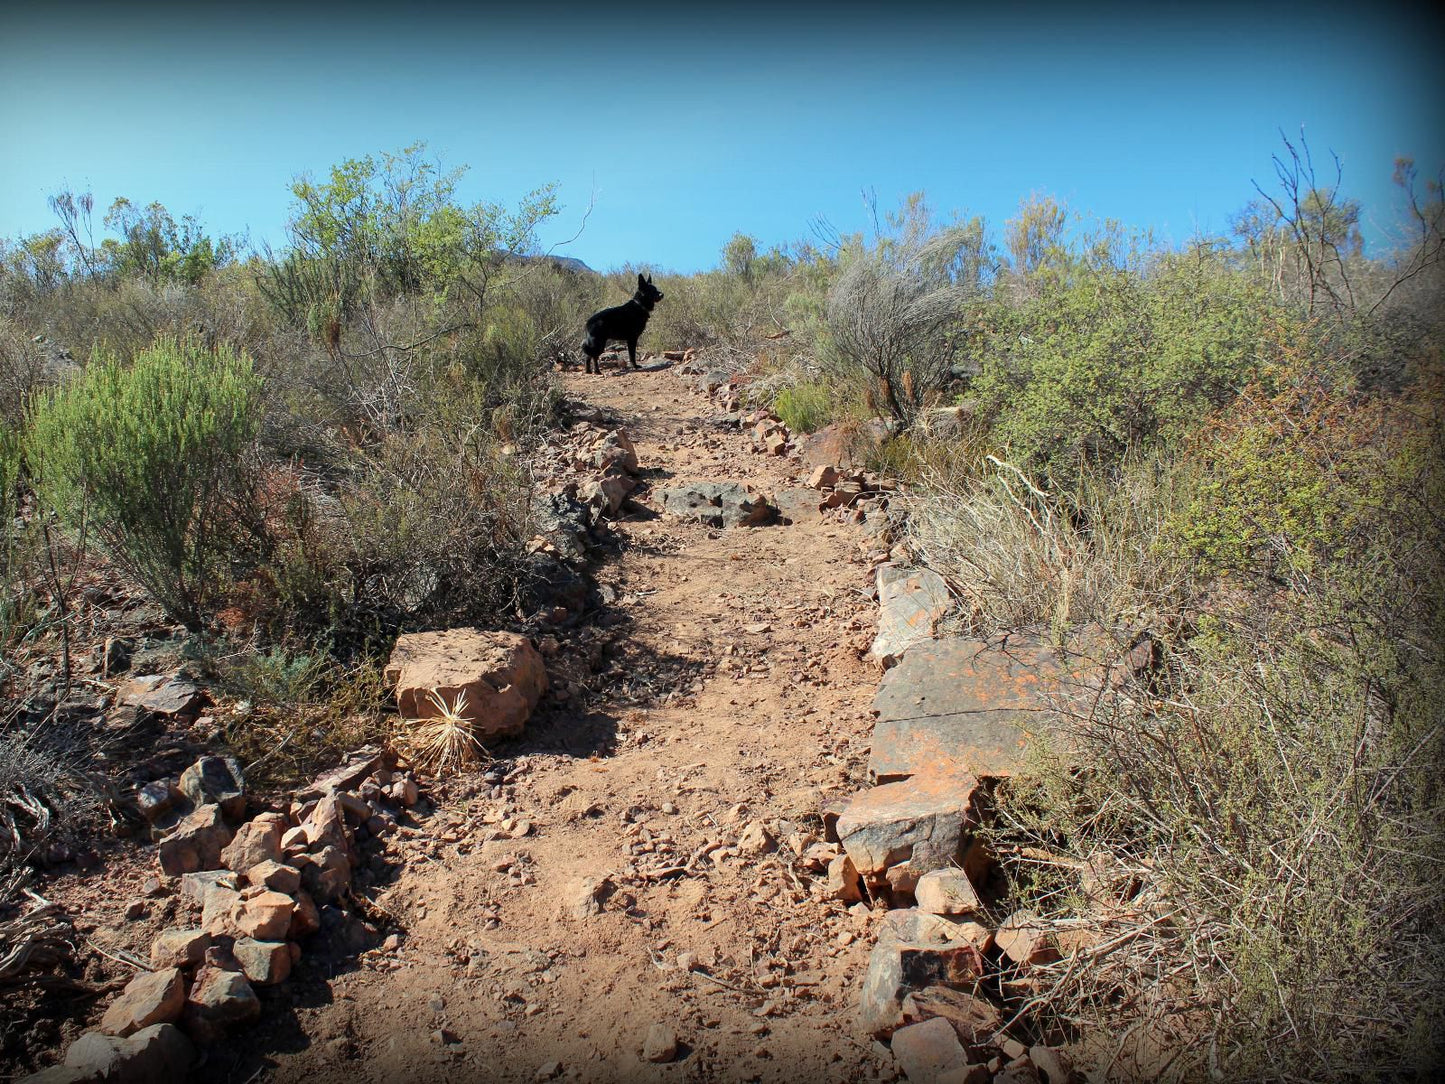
x,y
501,674
910,604
717,504
900,831
970,705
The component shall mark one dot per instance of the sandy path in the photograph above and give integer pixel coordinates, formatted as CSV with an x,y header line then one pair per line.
x,y
743,647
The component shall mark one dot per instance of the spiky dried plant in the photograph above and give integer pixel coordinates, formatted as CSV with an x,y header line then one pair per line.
x,y
444,742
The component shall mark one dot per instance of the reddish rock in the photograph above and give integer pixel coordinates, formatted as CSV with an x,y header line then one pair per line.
x,y
844,883
276,876
195,885
219,1001
216,911
929,1052
180,948
306,919
171,695
910,605
975,706
264,963
195,844
924,822
897,968
501,674
823,477
155,997
946,892
1024,939
265,917
255,842
974,1020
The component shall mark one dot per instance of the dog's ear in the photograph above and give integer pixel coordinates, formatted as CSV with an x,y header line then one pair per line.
x,y
640,280
649,280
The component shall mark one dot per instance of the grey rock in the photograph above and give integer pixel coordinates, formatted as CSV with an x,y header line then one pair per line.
x,y
716,504
218,780
910,604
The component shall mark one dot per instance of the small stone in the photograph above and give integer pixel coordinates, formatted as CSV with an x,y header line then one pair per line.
x,y
1024,939
547,1070
134,910
305,919
195,885
219,1000
755,839
264,963
660,1045
266,917
180,948
195,844
844,883
255,842
156,997
276,876
929,1051
946,892
154,888
216,780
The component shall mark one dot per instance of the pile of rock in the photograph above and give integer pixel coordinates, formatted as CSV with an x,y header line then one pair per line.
x,y
913,842
770,435
259,887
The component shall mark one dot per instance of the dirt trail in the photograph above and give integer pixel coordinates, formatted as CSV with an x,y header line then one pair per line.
x,y
502,974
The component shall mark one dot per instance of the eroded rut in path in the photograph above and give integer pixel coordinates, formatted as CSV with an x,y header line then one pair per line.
x,y
646,867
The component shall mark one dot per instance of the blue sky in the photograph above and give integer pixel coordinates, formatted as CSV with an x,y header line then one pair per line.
x,y
689,126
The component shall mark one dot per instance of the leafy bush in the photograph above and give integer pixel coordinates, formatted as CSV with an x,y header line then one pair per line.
x,y
1107,359
150,456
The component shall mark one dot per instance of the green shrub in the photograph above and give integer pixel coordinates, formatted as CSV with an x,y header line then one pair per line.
x,y
150,457
805,408
1100,361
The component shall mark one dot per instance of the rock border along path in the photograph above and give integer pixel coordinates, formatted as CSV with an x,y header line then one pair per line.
x,y
647,862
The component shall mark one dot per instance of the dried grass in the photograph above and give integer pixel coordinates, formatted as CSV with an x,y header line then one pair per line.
x,y
445,743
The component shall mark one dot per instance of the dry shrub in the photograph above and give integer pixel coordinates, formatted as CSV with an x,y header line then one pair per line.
x,y
1017,556
444,743
1258,836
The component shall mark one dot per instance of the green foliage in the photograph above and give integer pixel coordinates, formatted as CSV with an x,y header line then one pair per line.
x,y
154,246
150,457
1107,359
805,408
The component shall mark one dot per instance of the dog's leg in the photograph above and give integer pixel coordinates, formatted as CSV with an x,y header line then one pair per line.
x,y
632,352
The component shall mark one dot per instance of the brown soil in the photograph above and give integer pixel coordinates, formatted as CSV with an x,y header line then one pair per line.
x,y
743,646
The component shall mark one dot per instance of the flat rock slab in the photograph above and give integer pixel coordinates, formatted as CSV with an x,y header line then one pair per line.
x,y
910,604
969,705
717,504
500,674
798,505
170,695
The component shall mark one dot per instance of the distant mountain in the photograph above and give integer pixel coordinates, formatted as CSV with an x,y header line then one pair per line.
x,y
566,263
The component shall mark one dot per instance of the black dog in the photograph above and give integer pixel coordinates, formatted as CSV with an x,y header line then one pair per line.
x,y
623,322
